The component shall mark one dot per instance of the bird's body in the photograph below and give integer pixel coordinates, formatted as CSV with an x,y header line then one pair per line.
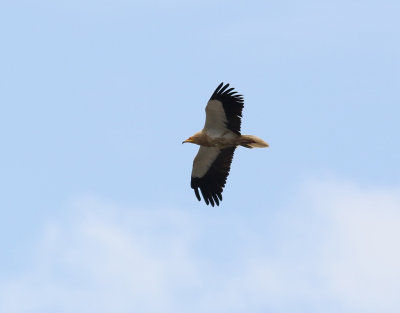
x,y
218,141
226,139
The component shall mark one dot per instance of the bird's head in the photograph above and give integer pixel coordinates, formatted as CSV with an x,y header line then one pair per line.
x,y
190,140
196,138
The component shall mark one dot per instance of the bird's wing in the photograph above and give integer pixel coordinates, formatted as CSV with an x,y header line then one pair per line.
x,y
210,169
224,111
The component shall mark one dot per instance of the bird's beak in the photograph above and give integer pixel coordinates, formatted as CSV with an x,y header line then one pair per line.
x,y
187,140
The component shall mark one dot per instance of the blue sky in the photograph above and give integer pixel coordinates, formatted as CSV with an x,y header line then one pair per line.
x,y
96,209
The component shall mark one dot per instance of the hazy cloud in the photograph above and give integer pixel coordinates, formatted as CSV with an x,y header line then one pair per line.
x,y
106,258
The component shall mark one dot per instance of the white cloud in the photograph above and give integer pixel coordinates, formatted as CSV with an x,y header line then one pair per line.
x,y
361,257
337,249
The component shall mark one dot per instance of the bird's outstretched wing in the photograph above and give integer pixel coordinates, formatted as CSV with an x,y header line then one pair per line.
x,y
210,169
224,111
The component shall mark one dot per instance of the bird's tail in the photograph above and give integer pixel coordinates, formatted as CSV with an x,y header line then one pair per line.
x,y
250,141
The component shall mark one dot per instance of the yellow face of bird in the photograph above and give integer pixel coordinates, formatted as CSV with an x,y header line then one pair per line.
x,y
190,139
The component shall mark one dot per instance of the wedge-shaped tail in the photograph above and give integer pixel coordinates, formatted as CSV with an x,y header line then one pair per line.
x,y
250,141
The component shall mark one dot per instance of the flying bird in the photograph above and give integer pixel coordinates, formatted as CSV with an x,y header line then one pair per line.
x,y
218,141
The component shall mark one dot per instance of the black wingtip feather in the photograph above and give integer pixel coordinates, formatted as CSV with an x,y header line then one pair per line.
x,y
217,89
224,88
196,191
216,200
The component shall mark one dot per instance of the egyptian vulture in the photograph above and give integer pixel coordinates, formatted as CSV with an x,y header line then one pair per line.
x,y
218,141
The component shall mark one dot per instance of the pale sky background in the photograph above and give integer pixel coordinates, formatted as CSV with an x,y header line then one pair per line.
x,y
96,209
